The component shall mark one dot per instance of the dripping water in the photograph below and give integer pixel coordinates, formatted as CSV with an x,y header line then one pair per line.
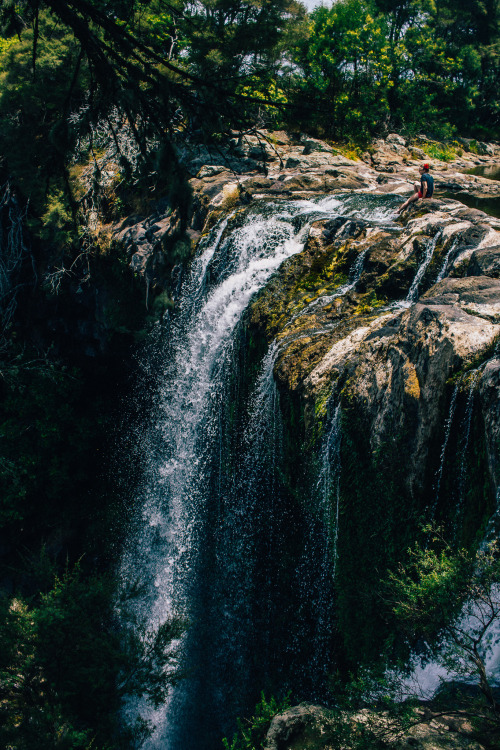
x,y
329,486
444,267
431,246
326,539
464,448
447,431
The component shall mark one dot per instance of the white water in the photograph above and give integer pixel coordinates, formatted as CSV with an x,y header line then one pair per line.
x,y
209,519
447,432
444,267
329,483
431,246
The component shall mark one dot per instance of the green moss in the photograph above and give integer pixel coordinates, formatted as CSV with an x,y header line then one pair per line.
x,y
369,302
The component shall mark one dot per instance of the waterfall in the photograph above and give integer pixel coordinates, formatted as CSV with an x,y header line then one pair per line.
x,y
444,267
317,579
447,431
217,540
464,446
412,295
329,485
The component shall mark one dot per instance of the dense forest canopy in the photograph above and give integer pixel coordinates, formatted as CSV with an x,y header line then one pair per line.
x,y
87,82
350,71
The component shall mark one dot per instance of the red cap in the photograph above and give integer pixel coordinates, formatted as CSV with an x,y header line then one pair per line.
x,y
426,166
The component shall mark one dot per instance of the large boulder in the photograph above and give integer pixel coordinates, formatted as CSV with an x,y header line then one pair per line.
x,y
312,727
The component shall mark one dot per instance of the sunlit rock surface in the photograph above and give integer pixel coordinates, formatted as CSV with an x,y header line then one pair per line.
x,y
314,727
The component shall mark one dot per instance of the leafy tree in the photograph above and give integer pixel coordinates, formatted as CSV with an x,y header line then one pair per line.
x,y
346,68
238,38
449,602
415,65
66,665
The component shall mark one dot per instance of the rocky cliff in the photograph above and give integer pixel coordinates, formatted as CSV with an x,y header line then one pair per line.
x,y
395,321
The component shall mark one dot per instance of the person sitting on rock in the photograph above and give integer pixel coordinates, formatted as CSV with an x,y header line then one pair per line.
x,y
423,189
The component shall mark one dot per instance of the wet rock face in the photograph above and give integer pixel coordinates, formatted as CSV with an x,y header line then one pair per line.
x,y
485,261
389,344
420,307
489,389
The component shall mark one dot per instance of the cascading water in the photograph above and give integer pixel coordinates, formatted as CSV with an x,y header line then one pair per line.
x,y
447,431
329,481
215,528
444,267
465,433
323,528
429,252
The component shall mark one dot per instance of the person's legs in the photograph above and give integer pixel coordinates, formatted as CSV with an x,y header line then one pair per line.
x,y
414,197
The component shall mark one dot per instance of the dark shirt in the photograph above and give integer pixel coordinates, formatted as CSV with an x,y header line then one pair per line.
x,y
430,184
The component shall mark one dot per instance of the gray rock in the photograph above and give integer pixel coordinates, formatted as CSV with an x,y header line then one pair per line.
x,y
485,262
485,149
210,170
313,144
396,139
291,727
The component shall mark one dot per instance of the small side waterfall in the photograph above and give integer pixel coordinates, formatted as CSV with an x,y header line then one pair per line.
x,y
458,453
444,267
317,579
447,431
464,444
412,295
329,484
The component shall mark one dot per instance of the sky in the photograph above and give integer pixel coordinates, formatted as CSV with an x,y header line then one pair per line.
x,y
311,4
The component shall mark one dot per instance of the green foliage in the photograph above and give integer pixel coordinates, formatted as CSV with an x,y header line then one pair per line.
x,y
45,448
252,732
57,223
66,664
451,600
441,151
347,68
429,591
35,136
368,66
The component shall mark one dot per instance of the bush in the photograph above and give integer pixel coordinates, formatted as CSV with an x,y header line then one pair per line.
x,y
252,732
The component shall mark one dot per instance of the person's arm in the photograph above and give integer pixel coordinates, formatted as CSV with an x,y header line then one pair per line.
x,y
424,187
